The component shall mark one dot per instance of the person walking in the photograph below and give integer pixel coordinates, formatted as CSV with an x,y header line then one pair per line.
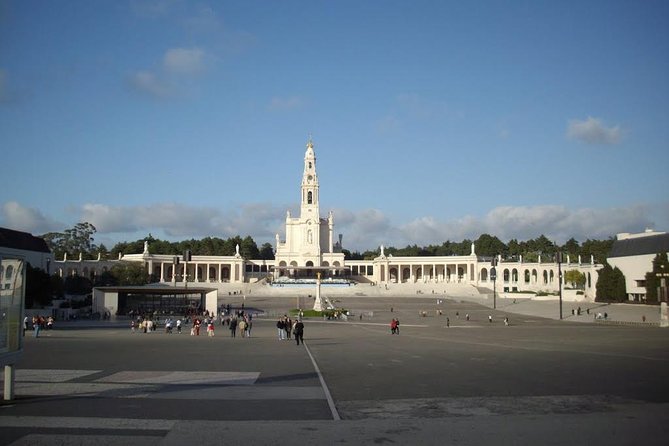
x,y
36,326
281,329
233,327
242,328
298,332
249,325
393,326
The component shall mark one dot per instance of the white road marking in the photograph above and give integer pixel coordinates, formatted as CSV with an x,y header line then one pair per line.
x,y
51,375
333,408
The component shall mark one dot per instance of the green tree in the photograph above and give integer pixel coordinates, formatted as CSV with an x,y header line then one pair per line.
x,y
348,255
78,285
130,274
660,266
487,245
603,285
38,287
267,251
572,247
371,255
610,286
599,249
106,279
57,286
618,288
575,278
248,248
514,248
73,241
540,245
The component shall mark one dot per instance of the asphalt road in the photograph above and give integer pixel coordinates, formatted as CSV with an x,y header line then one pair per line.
x,y
465,382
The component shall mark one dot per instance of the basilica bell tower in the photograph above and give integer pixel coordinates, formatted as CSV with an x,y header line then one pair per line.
x,y
309,206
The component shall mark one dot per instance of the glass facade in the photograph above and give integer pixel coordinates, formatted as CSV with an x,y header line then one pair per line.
x,y
12,292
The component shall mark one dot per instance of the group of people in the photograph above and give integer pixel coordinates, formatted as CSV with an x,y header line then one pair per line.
x,y
287,328
243,321
37,323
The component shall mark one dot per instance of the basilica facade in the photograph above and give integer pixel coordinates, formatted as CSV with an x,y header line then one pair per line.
x,y
309,246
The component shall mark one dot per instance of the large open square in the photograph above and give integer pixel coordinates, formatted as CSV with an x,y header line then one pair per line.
x,y
536,381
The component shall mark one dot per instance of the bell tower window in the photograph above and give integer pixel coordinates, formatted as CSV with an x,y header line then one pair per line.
x,y
310,197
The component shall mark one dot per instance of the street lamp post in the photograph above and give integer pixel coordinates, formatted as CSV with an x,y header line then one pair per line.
x,y
187,258
662,285
559,262
493,276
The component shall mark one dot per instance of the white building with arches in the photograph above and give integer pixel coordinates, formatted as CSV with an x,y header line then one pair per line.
x,y
309,248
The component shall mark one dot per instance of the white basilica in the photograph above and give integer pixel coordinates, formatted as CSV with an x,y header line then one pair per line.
x,y
309,249
309,244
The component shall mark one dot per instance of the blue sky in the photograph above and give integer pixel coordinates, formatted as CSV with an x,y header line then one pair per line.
x,y
432,120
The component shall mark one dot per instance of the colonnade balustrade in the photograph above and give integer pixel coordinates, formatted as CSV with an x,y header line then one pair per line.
x,y
430,273
196,272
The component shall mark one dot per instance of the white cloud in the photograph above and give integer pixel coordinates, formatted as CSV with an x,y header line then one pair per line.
x,y
183,221
148,83
362,230
287,103
21,218
593,131
184,60
179,65
368,229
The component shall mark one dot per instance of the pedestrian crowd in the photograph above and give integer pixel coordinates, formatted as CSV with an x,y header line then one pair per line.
x,y
287,328
37,324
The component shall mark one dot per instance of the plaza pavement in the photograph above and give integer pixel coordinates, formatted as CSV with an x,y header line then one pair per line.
x,y
537,381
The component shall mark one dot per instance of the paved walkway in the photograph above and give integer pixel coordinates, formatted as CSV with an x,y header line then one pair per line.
x,y
539,381
550,309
